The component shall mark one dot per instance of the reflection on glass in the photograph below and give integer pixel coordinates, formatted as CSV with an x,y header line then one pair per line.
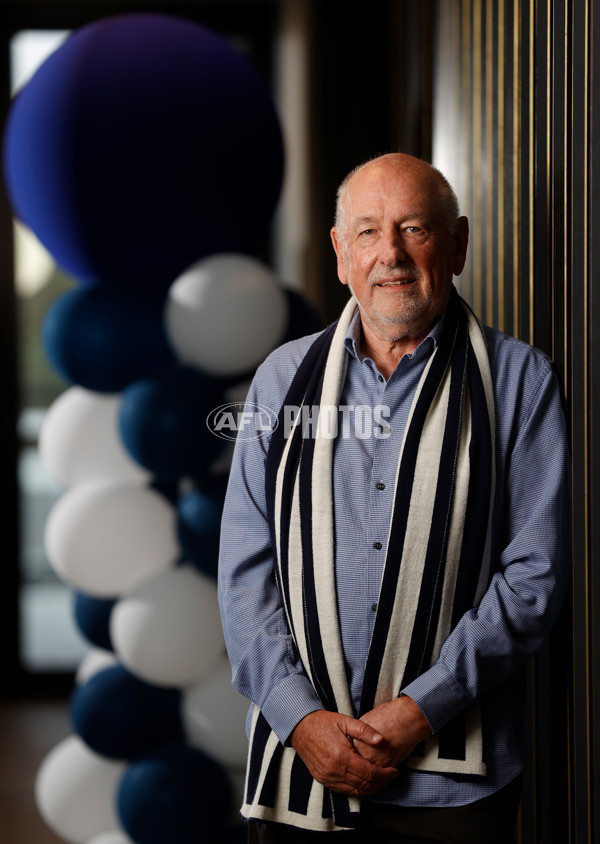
x,y
49,640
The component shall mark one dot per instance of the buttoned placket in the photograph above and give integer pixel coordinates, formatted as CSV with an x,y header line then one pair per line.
x,y
395,393
364,379
379,502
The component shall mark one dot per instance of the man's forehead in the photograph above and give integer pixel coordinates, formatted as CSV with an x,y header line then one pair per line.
x,y
370,197
399,170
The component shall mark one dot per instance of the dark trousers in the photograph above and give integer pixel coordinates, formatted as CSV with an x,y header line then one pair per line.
x,y
491,820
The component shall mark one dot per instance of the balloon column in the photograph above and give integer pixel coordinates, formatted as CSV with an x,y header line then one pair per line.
x,y
147,157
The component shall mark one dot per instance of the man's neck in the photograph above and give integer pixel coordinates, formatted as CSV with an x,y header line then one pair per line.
x,y
387,352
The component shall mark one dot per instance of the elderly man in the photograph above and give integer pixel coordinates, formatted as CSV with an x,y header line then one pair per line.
x,y
395,549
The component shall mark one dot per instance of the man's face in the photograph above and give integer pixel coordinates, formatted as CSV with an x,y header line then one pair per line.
x,y
396,250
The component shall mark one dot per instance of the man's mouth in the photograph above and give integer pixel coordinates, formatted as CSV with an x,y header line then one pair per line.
x,y
396,282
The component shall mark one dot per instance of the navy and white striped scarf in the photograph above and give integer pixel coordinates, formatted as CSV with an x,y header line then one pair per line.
x,y
437,564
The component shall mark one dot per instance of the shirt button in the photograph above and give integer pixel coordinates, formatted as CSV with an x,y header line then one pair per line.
x,y
380,378
380,485
378,546
374,607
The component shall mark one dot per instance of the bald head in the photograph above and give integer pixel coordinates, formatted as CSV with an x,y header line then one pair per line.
x,y
399,243
398,165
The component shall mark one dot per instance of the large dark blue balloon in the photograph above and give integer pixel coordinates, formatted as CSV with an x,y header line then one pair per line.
x,y
104,338
92,616
120,716
162,421
303,319
143,144
198,528
176,794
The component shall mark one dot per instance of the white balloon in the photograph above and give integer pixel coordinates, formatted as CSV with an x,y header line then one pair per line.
x,y
214,717
104,536
79,439
111,838
75,791
96,659
225,314
167,630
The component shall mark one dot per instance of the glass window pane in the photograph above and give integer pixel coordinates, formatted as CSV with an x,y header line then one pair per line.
x,y
49,638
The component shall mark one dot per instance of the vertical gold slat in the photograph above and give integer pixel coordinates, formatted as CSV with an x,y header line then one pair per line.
x,y
501,170
457,71
467,146
477,149
567,339
453,70
586,407
549,86
531,167
445,125
566,188
516,199
531,268
553,86
490,182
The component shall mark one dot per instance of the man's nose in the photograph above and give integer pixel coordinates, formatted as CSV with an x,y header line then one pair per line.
x,y
393,248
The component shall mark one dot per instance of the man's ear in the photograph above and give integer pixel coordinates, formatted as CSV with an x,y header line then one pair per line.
x,y
338,247
462,239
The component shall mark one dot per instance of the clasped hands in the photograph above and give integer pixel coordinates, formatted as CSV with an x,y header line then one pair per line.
x,y
360,757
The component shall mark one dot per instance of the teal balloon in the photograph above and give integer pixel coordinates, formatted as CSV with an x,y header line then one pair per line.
x,y
92,616
198,528
120,716
174,793
162,422
303,318
104,338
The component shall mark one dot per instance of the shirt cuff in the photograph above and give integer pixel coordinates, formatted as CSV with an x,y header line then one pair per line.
x,y
438,695
287,703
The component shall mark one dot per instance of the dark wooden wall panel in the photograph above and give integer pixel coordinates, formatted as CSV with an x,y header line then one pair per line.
x,y
594,379
515,122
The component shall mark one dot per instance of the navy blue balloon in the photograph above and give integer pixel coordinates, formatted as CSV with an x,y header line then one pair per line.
x,y
303,319
92,616
167,487
120,716
144,143
104,338
198,528
162,422
176,794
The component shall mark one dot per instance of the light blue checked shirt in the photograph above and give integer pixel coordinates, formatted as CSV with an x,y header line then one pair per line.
x,y
531,550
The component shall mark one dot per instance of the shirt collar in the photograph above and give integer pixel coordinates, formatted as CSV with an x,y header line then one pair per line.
x,y
425,347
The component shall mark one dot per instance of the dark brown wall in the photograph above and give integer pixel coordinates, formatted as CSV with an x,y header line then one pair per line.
x,y
370,93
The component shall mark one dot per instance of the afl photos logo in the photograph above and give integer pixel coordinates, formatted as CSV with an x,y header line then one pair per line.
x,y
240,420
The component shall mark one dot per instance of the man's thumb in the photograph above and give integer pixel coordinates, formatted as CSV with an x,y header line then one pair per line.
x,y
362,731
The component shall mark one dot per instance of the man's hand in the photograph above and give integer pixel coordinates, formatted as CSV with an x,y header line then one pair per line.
x,y
402,726
324,741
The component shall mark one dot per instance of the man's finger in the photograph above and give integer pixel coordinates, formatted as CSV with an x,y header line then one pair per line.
x,y
362,731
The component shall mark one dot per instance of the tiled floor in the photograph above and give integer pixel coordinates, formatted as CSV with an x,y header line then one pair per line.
x,y
28,730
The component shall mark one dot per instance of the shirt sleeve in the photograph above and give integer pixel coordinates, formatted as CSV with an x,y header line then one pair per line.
x,y
265,666
528,587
